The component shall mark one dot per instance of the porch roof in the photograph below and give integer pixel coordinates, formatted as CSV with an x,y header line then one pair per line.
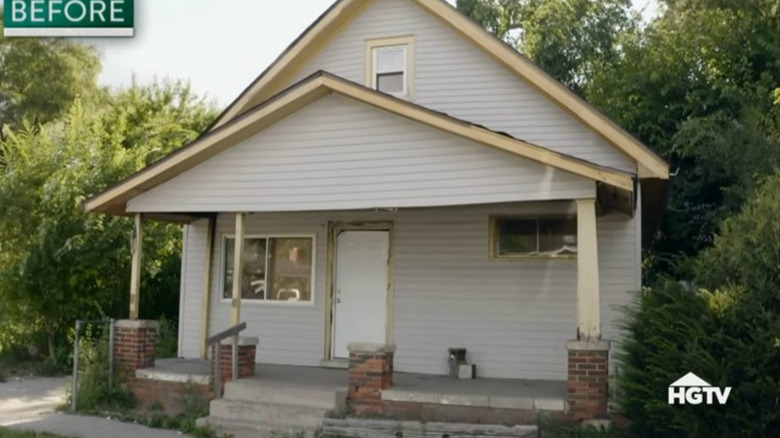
x,y
114,199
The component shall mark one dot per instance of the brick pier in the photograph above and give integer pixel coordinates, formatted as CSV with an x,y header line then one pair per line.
x,y
134,346
370,372
247,349
587,382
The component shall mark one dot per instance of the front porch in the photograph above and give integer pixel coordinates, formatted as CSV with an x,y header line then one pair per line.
x,y
506,393
413,397
437,281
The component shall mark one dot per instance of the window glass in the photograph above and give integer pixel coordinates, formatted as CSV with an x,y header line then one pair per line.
x,y
390,69
274,269
289,269
390,59
558,236
390,82
516,236
253,269
553,237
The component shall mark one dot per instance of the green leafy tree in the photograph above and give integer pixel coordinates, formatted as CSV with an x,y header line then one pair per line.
x,y
699,85
569,39
58,264
41,77
500,17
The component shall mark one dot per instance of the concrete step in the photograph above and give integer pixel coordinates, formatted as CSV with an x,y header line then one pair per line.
x,y
242,429
254,412
259,391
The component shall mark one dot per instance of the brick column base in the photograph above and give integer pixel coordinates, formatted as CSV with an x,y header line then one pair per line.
x,y
370,371
587,383
134,346
247,348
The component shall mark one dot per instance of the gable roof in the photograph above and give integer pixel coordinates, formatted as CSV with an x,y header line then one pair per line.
x,y
341,13
114,199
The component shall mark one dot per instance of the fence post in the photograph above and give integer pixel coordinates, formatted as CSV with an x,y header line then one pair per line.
x,y
74,390
111,353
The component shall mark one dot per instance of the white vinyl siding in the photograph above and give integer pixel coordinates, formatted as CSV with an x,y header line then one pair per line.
x,y
514,317
454,77
620,263
193,285
339,154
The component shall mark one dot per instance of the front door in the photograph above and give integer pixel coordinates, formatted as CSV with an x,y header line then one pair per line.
x,y
360,288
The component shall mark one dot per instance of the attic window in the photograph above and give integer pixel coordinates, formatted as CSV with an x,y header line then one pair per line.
x,y
389,66
390,69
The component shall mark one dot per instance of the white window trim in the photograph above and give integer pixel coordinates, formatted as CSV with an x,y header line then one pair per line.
x,y
271,303
409,70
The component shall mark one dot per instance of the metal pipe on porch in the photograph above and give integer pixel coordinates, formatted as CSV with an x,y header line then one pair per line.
x,y
588,296
238,255
136,248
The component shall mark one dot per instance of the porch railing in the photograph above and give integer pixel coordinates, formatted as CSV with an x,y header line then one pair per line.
x,y
217,340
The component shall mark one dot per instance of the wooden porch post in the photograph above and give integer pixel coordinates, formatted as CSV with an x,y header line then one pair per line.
x,y
205,311
238,255
136,249
588,299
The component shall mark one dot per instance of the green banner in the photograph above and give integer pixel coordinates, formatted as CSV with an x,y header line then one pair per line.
x,y
69,17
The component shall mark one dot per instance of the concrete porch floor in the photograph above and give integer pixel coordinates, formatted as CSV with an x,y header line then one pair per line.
x,y
407,387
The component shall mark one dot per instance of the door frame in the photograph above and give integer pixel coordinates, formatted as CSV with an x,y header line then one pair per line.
x,y
334,228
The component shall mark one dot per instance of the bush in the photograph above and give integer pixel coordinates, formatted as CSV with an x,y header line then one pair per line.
x,y
724,338
167,339
194,406
551,429
94,393
747,251
728,337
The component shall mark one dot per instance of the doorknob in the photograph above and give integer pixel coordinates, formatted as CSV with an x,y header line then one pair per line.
x,y
338,300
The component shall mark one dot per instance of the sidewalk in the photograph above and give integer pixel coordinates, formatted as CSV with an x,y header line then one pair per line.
x,y
78,426
29,404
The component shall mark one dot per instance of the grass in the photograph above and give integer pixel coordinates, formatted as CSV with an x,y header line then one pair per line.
x,y
18,363
13,367
551,429
156,419
116,406
8,433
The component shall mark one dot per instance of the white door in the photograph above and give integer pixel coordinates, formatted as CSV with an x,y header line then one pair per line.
x,y
360,289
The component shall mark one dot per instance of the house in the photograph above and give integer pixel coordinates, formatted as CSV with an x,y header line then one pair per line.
x,y
399,177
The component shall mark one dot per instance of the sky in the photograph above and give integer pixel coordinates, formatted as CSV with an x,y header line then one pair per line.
x,y
220,46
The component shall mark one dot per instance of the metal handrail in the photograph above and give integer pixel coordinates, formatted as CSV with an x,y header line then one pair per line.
x,y
217,339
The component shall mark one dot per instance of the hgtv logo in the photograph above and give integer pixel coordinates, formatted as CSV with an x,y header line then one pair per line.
x,y
68,18
693,390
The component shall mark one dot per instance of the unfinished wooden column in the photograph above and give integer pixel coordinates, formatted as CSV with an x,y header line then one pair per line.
x,y
588,355
238,256
136,249
205,311
588,299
